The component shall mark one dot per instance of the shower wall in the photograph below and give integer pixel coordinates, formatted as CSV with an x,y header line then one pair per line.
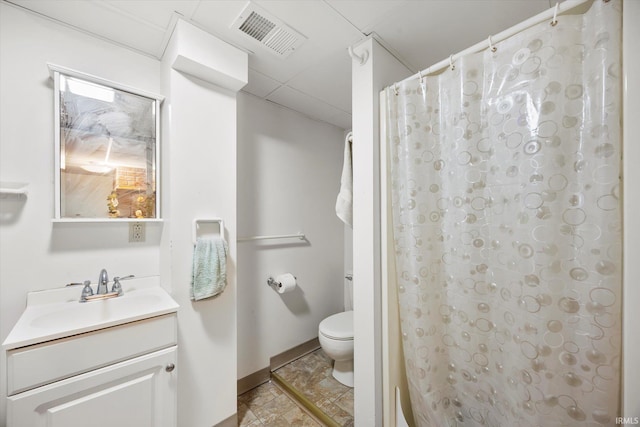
x,y
288,174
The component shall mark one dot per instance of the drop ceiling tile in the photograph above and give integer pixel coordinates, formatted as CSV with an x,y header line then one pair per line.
x,y
218,15
426,32
103,21
284,69
365,15
329,80
159,14
342,120
303,103
260,85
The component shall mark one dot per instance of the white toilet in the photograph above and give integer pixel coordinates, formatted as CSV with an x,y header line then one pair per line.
x,y
336,339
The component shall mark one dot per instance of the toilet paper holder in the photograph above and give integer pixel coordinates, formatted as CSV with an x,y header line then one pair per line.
x,y
274,283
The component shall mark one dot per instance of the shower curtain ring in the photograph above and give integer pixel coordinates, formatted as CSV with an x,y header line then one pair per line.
x,y
421,77
554,22
491,46
453,67
395,88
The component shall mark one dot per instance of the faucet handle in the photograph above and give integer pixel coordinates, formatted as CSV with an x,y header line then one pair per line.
x,y
86,291
117,287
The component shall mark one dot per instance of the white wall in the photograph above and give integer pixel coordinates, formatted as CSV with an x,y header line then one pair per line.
x,y
380,70
289,170
200,156
34,253
199,150
631,158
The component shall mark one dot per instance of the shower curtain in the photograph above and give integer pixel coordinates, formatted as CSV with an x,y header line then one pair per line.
x,y
505,173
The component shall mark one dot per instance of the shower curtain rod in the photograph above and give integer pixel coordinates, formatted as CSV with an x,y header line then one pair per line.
x,y
492,40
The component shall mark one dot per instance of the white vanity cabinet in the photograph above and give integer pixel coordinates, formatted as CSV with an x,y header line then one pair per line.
x,y
104,363
120,376
88,389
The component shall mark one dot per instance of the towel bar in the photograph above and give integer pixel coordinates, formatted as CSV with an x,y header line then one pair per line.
x,y
198,221
300,236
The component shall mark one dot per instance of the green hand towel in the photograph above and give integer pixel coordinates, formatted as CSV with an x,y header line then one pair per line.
x,y
209,276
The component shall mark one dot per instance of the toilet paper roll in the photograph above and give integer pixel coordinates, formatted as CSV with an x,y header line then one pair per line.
x,y
285,283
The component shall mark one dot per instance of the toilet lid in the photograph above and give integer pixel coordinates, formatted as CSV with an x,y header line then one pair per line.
x,y
338,326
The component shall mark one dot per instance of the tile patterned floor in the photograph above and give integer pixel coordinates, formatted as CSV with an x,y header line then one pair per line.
x,y
311,375
267,405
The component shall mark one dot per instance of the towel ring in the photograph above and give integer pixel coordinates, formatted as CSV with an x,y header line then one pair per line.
x,y
198,221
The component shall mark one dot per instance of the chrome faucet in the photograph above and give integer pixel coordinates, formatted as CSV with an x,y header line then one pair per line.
x,y
103,280
102,287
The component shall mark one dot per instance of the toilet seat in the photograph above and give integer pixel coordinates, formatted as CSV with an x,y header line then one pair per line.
x,y
338,326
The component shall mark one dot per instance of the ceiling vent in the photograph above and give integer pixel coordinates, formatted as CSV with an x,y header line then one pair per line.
x,y
268,31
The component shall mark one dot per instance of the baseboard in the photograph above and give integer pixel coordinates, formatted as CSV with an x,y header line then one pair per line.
x,y
279,360
253,380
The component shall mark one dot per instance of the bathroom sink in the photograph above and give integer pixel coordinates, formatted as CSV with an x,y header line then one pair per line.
x,y
56,313
95,312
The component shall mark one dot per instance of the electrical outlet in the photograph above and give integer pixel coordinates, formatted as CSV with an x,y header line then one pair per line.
x,y
136,232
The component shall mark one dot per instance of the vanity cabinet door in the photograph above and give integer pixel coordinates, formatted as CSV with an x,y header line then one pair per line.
x,y
135,393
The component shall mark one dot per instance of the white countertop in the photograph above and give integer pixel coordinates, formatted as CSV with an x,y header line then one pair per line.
x,y
57,313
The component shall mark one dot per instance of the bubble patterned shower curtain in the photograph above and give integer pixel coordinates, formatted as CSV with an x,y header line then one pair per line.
x,y
507,229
